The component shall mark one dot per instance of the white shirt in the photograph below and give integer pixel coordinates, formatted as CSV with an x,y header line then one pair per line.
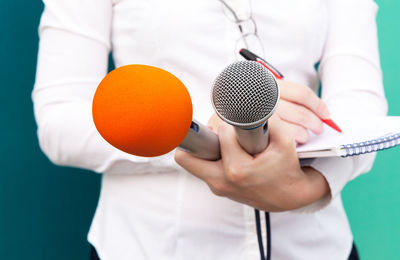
x,y
150,208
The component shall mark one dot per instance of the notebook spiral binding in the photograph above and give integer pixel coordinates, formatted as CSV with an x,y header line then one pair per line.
x,y
371,146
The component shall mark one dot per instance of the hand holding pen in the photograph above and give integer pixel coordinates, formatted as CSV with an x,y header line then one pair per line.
x,y
300,108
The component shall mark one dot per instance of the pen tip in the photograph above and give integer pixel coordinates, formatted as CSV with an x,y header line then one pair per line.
x,y
332,124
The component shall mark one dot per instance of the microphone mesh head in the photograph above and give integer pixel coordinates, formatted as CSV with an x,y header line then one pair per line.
x,y
245,94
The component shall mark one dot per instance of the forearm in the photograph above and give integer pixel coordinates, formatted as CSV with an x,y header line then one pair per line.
x,y
317,186
72,61
68,137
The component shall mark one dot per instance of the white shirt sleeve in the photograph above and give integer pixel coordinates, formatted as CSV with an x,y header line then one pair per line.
x,y
73,59
351,83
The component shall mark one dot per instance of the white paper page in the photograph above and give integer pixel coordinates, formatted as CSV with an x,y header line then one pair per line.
x,y
354,131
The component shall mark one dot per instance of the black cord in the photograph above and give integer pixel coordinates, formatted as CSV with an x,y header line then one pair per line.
x,y
268,231
259,235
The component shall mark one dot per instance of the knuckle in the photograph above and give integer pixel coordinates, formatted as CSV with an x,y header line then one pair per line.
x,y
219,188
301,135
236,173
179,157
288,142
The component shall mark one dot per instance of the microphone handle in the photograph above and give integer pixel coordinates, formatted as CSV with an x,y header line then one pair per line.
x,y
255,140
201,142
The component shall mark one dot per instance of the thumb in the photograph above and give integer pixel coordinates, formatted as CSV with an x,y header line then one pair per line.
x,y
231,151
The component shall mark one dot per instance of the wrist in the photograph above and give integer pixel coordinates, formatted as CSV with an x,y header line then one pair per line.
x,y
316,186
296,190
309,187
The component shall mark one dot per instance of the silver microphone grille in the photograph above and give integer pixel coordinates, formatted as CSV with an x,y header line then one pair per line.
x,y
245,94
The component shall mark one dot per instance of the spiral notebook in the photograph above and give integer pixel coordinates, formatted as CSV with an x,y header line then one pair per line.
x,y
360,136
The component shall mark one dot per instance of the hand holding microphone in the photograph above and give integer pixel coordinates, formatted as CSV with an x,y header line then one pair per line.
x,y
245,95
272,180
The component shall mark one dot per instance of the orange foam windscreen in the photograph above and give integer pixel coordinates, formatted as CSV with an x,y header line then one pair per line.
x,y
142,110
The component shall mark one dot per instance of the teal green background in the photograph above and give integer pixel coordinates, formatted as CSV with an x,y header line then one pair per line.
x,y
45,210
372,200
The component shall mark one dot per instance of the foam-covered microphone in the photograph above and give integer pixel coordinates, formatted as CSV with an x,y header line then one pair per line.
x,y
245,94
147,111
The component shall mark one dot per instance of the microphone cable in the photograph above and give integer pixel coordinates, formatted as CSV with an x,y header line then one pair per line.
x,y
259,235
268,234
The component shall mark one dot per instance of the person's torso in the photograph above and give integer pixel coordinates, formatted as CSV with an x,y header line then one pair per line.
x,y
173,215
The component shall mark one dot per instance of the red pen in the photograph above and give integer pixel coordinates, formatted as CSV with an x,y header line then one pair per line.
x,y
248,55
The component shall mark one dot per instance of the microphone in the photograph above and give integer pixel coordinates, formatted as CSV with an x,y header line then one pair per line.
x,y
245,94
147,111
